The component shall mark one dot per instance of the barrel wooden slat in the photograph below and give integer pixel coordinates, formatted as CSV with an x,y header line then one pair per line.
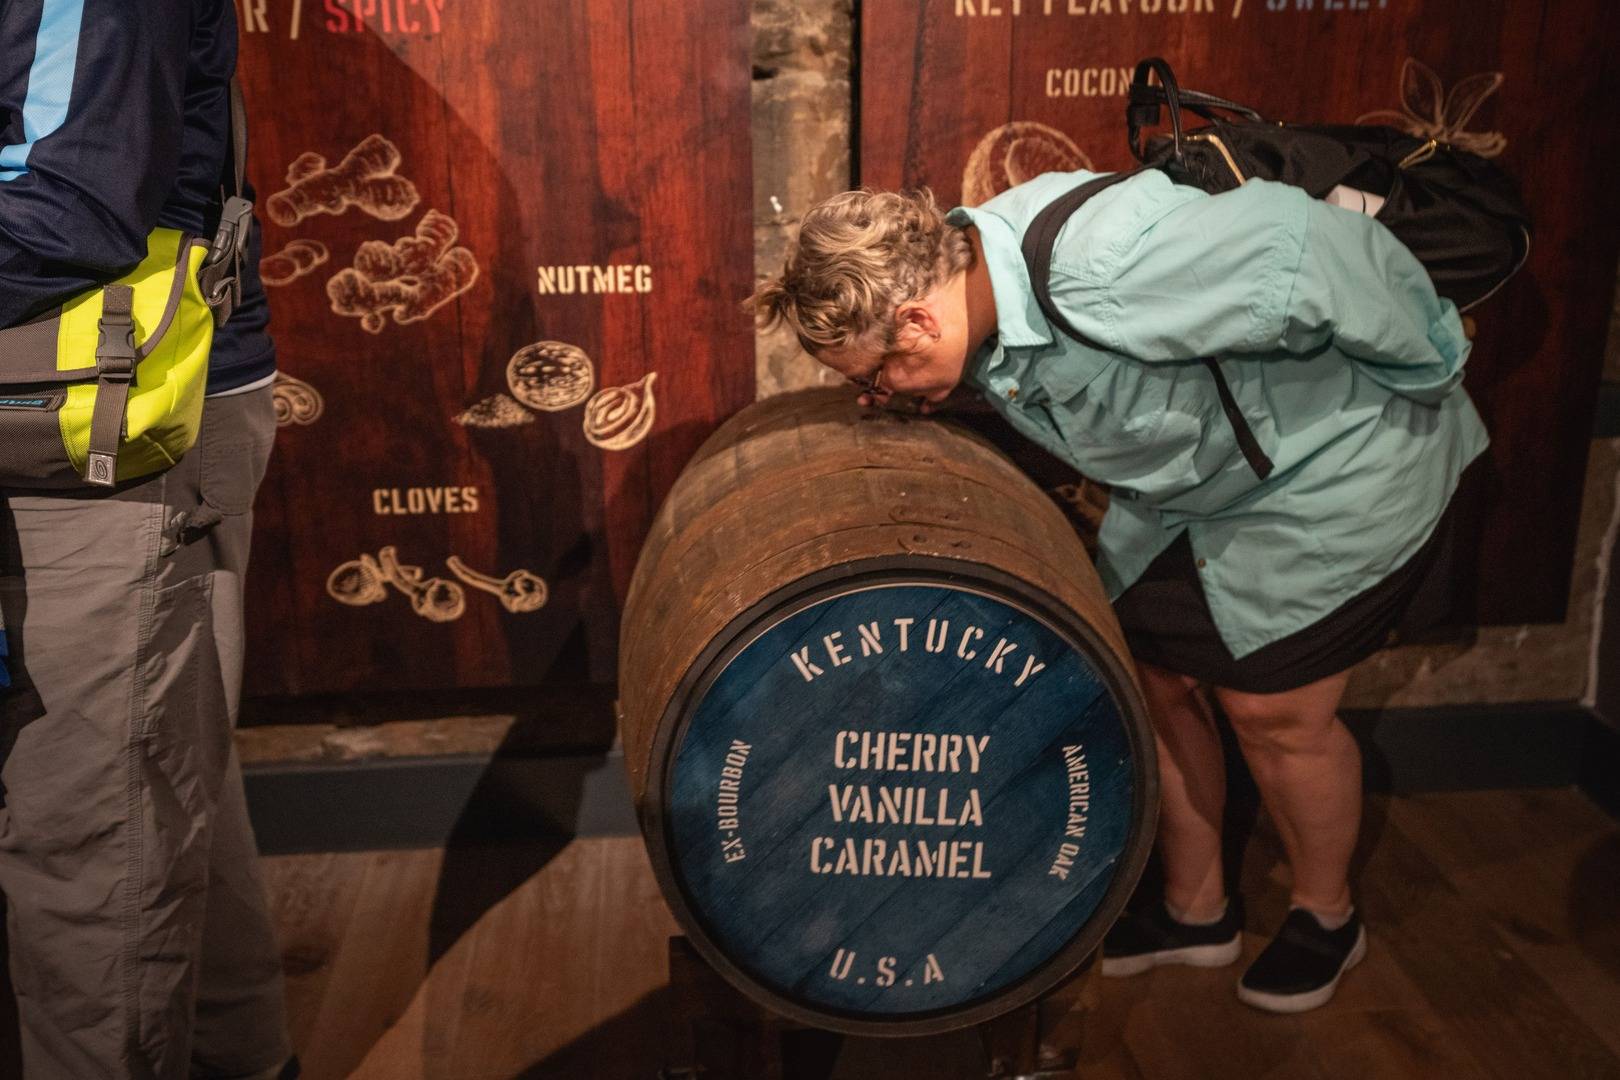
x,y
801,514
830,503
765,446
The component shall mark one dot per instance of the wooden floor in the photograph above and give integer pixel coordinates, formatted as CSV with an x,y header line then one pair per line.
x,y
1495,952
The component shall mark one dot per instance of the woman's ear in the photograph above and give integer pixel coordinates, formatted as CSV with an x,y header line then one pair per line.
x,y
916,326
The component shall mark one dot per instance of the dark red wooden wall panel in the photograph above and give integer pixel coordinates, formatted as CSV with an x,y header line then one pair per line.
x,y
595,134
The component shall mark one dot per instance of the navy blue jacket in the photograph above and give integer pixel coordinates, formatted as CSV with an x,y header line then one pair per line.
x,y
113,122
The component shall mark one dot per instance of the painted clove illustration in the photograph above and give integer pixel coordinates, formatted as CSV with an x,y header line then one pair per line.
x,y
520,591
435,599
357,583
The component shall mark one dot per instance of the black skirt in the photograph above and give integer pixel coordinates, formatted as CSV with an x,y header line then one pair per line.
x,y
1167,622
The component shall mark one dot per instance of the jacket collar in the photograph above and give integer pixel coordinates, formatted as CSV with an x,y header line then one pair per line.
x,y
1019,322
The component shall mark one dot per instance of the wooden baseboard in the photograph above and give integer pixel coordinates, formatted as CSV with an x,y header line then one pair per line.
x,y
435,801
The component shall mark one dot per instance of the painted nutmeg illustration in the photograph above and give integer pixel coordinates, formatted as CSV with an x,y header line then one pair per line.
x,y
495,411
550,375
618,417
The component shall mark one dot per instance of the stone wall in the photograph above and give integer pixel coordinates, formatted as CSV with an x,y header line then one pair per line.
x,y
802,110
802,138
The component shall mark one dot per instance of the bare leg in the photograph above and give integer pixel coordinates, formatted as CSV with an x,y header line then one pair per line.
x,y
1192,792
1308,769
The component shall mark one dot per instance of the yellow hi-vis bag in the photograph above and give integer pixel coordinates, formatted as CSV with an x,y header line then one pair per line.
x,y
109,386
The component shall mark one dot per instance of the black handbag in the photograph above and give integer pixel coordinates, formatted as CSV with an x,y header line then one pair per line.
x,y
1458,213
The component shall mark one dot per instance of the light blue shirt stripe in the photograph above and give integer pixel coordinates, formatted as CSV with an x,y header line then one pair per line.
x,y
50,82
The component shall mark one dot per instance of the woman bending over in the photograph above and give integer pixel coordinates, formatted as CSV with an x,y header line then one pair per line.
x,y
1259,590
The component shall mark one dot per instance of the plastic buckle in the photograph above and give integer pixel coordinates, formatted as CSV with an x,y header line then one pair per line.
x,y
115,351
224,289
231,238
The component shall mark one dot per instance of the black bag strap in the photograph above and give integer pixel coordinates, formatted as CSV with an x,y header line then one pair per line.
x,y
221,274
1143,104
238,129
1039,240
1145,100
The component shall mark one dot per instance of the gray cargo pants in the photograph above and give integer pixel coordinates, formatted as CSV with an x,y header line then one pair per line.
x,y
140,944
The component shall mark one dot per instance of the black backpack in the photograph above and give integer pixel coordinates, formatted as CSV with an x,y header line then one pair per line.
x,y
1458,213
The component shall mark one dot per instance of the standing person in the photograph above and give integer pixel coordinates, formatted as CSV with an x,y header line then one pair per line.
x,y
140,943
1262,592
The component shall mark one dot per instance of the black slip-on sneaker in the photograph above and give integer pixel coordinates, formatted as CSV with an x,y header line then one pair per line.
x,y
1302,966
1149,938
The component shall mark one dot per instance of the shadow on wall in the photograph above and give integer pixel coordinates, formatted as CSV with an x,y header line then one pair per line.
x,y
654,1037
10,1049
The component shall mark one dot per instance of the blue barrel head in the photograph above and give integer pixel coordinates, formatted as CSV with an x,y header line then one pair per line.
x,y
901,799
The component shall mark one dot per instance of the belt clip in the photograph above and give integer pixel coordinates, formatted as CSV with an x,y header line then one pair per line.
x,y
221,274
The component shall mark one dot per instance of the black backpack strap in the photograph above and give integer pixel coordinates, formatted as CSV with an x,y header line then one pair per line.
x,y
1041,237
1252,453
1145,101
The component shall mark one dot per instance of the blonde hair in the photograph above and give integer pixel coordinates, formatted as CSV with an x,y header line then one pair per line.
x,y
858,257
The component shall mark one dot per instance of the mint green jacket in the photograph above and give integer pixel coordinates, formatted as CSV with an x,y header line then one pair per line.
x,y
1345,363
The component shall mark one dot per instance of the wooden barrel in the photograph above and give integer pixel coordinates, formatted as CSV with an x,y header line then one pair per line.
x,y
886,745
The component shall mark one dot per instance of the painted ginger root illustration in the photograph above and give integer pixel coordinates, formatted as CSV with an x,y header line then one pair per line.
x,y
520,591
1430,113
296,401
292,262
1015,152
618,417
412,278
364,178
